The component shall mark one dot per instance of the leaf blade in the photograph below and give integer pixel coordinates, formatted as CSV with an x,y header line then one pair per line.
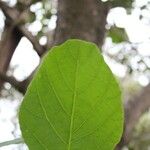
x,y
75,98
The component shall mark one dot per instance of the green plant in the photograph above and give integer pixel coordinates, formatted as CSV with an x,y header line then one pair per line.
x,y
73,102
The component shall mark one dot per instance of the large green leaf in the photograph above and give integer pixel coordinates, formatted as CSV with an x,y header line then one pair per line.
x,y
73,102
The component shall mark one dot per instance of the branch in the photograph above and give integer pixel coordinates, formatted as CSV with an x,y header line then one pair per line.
x,y
20,86
39,49
133,110
14,15
8,10
10,38
15,141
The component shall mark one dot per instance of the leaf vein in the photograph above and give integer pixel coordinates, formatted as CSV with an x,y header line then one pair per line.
x,y
92,107
46,116
92,132
57,97
73,105
32,134
63,75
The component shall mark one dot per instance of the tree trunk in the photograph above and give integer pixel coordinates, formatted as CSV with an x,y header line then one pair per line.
x,y
10,39
82,19
133,110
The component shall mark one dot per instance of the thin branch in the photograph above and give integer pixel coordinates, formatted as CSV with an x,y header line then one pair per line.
x,y
16,84
15,141
39,49
15,16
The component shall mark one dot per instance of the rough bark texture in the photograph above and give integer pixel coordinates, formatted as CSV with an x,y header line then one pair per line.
x,y
10,39
82,19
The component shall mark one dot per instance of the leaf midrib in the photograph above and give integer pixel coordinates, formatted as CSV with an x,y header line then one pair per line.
x,y
73,106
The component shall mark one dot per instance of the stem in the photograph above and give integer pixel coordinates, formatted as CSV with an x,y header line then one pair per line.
x,y
15,141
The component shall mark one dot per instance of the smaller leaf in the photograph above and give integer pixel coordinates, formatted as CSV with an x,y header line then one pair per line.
x,y
118,35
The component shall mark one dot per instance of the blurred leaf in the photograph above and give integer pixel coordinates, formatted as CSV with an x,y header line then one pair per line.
x,y
32,17
40,34
48,15
122,3
118,35
73,103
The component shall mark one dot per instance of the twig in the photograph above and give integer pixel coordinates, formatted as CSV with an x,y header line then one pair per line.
x,y
39,49
13,14
15,141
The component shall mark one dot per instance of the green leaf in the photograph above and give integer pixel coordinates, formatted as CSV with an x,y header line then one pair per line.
x,y
123,3
73,102
118,35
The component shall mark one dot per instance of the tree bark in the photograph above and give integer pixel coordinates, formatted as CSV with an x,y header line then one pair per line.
x,y
82,19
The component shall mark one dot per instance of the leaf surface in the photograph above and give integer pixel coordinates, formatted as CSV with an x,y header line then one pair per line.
x,y
73,102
